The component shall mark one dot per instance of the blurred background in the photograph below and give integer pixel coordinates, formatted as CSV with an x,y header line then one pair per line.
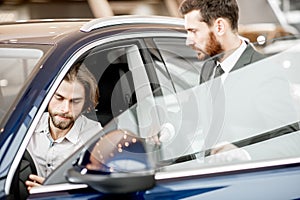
x,y
278,12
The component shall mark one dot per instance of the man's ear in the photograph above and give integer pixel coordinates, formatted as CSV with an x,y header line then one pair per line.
x,y
220,26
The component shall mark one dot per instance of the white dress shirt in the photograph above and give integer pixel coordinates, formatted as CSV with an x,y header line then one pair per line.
x,y
231,60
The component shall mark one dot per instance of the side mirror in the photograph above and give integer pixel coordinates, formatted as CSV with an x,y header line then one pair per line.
x,y
116,163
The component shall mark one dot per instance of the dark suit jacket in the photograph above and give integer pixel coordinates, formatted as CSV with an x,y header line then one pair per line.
x,y
237,85
250,55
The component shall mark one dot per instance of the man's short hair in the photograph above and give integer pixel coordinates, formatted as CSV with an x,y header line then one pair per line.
x,y
210,10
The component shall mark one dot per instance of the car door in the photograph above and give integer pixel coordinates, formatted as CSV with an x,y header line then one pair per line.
x,y
261,118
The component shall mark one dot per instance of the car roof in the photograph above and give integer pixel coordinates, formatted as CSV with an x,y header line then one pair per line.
x,y
50,31
38,31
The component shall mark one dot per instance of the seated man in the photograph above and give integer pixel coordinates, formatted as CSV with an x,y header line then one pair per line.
x,y
61,130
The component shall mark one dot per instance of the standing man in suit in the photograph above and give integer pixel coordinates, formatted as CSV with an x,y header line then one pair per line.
x,y
212,29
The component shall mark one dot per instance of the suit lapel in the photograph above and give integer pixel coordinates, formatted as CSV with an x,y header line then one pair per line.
x,y
207,71
245,59
250,55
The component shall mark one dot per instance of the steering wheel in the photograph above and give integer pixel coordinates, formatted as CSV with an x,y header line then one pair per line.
x,y
26,167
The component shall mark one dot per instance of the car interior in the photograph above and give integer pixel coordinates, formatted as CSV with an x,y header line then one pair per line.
x,y
115,83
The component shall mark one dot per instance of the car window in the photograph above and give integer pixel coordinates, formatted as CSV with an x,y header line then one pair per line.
x,y
124,78
16,66
260,112
178,61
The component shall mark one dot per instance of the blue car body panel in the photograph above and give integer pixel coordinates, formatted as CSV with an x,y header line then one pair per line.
x,y
248,185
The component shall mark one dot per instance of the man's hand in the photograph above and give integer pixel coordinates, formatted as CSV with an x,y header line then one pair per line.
x,y
227,152
34,181
166,134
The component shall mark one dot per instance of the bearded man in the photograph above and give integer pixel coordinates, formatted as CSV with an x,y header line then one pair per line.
x,y
63,129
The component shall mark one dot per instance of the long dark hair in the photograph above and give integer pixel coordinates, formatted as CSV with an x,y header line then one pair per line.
x,y
81,73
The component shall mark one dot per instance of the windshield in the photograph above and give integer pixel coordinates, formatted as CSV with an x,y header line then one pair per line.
x,y
17,63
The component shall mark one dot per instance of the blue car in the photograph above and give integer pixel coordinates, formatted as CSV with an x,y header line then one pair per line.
x,y
154,112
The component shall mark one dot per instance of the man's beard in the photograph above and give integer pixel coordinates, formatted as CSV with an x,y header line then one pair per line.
x,y
63,125
213,48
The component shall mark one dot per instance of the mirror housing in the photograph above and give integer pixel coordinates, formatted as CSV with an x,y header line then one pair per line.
x,y
117,162
114,183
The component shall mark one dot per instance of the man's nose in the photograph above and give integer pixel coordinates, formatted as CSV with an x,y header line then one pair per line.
x,y
189,40
66,106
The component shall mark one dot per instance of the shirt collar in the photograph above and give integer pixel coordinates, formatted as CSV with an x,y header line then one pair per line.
x,y
43,125
230,61
72,135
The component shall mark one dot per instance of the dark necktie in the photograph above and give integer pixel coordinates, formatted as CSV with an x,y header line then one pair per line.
x,y
218,108
217,83
219,71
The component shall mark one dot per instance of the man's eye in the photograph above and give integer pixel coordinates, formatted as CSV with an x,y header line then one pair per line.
x,y
58,97
76,101
191,31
